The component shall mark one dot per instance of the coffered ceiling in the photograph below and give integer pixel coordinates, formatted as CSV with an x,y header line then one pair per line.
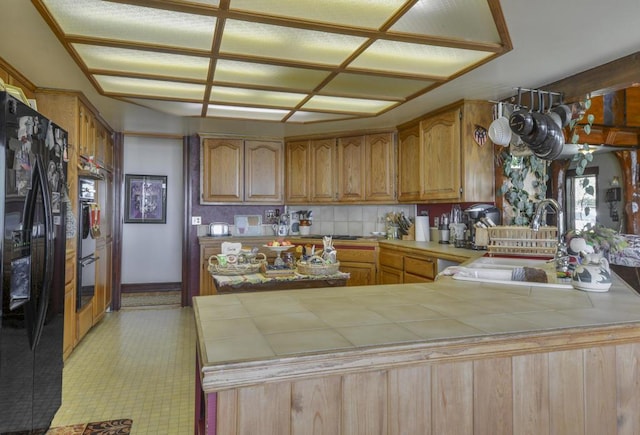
x,y
288,61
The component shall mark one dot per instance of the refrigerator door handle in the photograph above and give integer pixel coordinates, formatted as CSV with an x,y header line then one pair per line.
x,y
36,308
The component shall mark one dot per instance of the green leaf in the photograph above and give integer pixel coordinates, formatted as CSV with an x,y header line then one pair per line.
x,y
585,182
589,190
587,129
582,163
580,170
575,138
588,157
587,210
576,157
587,104
590,119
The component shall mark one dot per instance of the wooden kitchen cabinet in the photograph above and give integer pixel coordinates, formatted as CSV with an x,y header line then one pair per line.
x,y
323,169
398,266
366,168
352,169
88,135
439,159
359,261
310,171
391,267
241,171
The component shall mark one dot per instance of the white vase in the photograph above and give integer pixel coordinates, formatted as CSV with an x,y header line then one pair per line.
x,y
593,274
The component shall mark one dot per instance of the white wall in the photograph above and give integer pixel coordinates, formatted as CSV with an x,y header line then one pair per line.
x,y
152,253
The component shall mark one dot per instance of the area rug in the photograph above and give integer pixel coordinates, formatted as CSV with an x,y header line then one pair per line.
x,y
150,299
110,427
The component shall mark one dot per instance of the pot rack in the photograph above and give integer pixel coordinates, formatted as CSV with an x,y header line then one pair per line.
x,y
533,95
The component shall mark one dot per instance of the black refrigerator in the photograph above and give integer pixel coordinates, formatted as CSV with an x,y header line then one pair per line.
x,y
32,221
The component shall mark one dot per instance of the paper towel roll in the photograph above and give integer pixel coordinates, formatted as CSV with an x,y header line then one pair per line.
x,y
422,229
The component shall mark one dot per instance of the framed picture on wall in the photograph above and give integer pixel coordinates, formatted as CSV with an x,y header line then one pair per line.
x,y
145,199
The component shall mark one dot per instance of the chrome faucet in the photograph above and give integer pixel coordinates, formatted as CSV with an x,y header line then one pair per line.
x,y
562,257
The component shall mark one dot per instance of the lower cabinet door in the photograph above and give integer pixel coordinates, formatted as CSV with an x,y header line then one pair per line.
x,y
360,273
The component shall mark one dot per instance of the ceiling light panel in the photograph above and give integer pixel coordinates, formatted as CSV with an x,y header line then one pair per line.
x,y
150,88
221,94
362,85
97,57
344,105
339,12
308,117
123,22
176,108
273,76
257,114
268,41
418,59
461,19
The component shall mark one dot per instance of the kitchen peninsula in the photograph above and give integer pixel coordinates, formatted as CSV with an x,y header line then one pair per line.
x,y
427,358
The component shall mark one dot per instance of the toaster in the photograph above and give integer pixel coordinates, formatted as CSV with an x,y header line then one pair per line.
x,y
219,229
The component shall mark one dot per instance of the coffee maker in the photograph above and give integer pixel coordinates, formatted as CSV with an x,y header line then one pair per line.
x,y
473,215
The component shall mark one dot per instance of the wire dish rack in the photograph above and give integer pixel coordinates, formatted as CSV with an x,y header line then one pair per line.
x,y
523,241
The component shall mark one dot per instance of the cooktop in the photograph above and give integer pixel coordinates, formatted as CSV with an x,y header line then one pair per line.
x,y
333,236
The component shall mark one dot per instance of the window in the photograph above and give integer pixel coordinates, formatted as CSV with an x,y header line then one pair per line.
x,y
582,198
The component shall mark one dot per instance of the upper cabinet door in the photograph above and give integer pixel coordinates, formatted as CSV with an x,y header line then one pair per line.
x,y
222,170
323,169
440,139
380,167
263,171
351,169
298,165
410,164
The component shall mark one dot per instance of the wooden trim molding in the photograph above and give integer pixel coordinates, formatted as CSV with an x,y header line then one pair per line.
x,y
152,287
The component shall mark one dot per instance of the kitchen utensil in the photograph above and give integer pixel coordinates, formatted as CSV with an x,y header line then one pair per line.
x,y
552,114
540,127
499,130
521,120
564,112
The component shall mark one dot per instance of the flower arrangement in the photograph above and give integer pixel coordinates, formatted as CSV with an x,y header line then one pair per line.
x,y
599,238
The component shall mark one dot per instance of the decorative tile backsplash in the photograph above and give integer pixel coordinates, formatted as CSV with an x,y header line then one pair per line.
x,y
353,220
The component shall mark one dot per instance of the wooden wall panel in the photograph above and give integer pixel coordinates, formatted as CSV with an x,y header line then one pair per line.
x,y
410,401
492,396
628,386
364,403
315,406
531,394
452,398
600,390
264,410
227,411
566,392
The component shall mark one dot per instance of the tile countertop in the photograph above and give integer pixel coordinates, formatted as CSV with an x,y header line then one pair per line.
x,y
243,334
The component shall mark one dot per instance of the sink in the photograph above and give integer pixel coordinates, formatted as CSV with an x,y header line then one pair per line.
x,y
499,270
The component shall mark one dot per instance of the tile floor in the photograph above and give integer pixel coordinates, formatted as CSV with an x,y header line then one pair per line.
x,y
138,364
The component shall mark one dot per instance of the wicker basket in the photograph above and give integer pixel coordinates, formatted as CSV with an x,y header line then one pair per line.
x,y
521,240
319,267
236,268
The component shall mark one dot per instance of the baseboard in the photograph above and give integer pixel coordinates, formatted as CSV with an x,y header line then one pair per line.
x,y
154,287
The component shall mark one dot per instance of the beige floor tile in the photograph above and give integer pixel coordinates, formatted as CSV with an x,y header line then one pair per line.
x,y
136,364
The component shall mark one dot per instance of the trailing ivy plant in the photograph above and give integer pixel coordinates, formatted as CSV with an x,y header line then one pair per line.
x,y
519,170
584,155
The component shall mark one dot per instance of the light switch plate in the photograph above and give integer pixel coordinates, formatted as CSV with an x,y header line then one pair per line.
x,y
196,220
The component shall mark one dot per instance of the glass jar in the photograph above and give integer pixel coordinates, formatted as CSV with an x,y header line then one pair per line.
x,y
289,260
